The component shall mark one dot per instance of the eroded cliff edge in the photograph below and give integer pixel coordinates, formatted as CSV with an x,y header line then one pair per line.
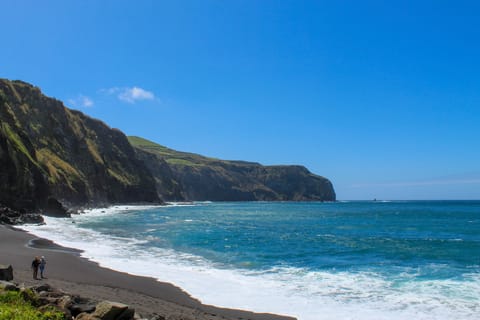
x,y
182,176
52,158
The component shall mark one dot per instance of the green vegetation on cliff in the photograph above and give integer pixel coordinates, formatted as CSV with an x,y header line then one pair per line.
x,y
183,176
171,156
48,151
52,156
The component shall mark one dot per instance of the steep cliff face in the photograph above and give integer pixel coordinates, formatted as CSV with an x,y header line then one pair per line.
x,y
52,157
184,176
49,152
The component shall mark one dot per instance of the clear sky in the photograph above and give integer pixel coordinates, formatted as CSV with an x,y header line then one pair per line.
x,y
381,97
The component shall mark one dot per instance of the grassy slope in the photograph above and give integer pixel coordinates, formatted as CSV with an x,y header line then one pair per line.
x,y
234,180
169,155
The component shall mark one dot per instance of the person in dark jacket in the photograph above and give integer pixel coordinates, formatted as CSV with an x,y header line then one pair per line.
x,y
35,265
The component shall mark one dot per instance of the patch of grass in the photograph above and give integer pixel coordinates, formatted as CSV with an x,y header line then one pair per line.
x,y
92,147
169,155
75,123
3,96
150,146
140,142
122,177
14,306
25,108
57,168
11,114
16,141
14,91
36,127
183,162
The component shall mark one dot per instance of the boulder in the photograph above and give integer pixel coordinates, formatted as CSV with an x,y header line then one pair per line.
x,y
45,300
65,302
137,316
56,209
33,218
81,305
43,287
85,316
79,308
8,286
6,272
128,314
108,310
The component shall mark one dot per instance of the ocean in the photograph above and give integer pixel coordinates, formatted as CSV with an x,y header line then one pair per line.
x,y
342,260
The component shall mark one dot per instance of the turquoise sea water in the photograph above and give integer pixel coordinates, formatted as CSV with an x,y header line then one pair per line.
x,y
348,260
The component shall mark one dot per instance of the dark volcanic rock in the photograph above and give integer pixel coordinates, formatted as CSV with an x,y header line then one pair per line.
x,y
182,176
108,310
9,216
55,208
6,273
52,157
8,286
78,308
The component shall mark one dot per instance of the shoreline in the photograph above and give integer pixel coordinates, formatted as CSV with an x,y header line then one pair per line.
x,y
67,271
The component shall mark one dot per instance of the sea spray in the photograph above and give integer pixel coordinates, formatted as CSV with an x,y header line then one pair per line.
x,y
354,260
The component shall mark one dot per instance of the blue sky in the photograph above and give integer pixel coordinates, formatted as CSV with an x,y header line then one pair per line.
x,y
381,97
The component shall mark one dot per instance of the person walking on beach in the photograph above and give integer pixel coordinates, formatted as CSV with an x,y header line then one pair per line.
x,y
43,262
35,265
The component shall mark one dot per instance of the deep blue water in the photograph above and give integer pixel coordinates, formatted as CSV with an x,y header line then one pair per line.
x,y
379,253
317,236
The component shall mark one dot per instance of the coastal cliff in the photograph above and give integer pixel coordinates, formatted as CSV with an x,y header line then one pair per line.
x,y
53,158
182,176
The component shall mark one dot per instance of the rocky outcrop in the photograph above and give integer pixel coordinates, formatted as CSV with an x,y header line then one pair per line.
x,y
6,273
108,310
6,285
46,298
182,176
52,157
9,216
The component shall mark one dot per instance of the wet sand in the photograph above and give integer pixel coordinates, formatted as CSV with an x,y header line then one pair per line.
x,y
67,271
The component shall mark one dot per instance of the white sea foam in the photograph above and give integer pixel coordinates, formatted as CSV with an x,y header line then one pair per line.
x,y
187,204
98,212
290,291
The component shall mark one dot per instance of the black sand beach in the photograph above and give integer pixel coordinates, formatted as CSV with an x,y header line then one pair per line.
x,y
67,271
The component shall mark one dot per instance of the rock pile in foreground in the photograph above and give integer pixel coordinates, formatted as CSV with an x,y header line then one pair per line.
x,y
44,297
